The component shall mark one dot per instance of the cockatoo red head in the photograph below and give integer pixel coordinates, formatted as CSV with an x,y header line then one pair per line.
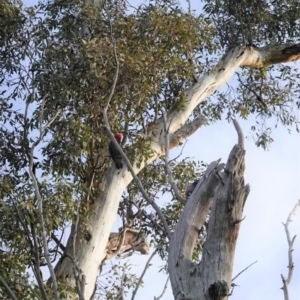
x,y
119,137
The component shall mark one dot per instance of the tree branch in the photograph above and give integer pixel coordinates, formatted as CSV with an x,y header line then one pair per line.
x,y
167,159
143,273
135,177
164,290
112,91
8,289
290,241
235,277
37,267
270,55
58,242
78,274
40,200
242,56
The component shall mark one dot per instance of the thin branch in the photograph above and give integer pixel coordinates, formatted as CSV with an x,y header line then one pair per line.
x,y
40,200
258,98
34,248
78,274
8,289
243,271
58,242
112,91
164,290
285,288
290,241
170,177
143,274
36,265
155,224
136,179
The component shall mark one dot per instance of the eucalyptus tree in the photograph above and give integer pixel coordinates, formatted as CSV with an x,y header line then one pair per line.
x,y
72,73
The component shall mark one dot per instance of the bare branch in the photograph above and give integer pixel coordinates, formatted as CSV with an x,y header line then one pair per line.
x,y
164,290
290,241
143,273
243,271
8,289
170,178
239,132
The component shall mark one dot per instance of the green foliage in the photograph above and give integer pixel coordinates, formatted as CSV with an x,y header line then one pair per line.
x,y
119,280
57,66
254,22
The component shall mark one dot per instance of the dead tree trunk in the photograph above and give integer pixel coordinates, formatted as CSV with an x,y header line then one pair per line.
x,y
225,193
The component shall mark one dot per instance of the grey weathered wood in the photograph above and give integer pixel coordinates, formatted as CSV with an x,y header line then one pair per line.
x,y
225,193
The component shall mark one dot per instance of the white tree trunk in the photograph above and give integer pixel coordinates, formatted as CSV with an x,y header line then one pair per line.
x,y
93,234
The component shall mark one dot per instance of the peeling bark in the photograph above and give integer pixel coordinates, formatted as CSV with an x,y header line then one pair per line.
x,y
225,193
133,240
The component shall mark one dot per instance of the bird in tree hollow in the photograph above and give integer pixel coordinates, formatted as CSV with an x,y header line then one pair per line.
x,y
114,153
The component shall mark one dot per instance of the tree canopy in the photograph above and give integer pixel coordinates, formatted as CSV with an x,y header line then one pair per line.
x,y
62,63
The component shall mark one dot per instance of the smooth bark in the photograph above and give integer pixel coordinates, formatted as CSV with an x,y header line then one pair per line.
x,y
93,234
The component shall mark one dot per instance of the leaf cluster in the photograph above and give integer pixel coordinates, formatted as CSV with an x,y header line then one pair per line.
x,y
254,22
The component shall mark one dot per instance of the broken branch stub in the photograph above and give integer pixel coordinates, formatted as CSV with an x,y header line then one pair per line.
x,y
225,193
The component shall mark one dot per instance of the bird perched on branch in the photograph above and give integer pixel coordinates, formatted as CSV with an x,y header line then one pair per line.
x,y
191,188
114,153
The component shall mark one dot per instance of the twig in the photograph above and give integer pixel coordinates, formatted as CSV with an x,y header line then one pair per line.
x,y
8,289
155,224
164,290
290,241
170,178
258,98
143,273
243,271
